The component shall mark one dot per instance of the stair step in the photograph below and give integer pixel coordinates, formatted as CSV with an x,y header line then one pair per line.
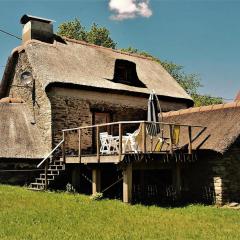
x,y
50,176
37,186
56,167
53,171
42,180
58,162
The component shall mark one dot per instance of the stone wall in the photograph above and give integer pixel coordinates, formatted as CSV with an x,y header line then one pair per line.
x,y
202,179
74,108
232,173
42,110
214,178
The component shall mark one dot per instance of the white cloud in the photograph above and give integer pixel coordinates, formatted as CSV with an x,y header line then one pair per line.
x,y
126,9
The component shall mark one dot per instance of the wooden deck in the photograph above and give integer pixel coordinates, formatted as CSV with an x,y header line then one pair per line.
x,y
115,159
94,159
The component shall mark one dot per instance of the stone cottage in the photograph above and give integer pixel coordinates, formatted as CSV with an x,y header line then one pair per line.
x,y
64,83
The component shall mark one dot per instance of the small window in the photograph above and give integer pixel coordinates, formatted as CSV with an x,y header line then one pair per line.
x,y
125,72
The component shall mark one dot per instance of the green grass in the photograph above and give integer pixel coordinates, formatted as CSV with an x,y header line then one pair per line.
x,y
38,215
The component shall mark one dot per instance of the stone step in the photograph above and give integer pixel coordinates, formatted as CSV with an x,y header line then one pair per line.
x,y
56,167
37,185
58,162
42,180
53,171
49,176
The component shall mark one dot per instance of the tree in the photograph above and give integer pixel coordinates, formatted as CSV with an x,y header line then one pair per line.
x,y
96,35
72,29
100,36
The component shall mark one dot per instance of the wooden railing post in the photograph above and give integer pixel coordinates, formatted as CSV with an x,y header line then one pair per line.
x,y
120,141
98,144
63,148
46,171
79,145
144,136
189,140
171,138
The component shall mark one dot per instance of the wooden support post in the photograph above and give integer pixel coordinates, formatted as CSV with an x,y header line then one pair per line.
x,y
178,179
144,137
63,149
79,145
120,141
76,174
96,181
127,184
46,171
98,143
189,140
171,138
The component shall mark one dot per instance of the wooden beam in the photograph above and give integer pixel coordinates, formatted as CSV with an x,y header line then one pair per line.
x,y
79,145
96,181
93,159
63,148
189,139
120,141
178,178
144,137
125,122
98,143
127,184
171,138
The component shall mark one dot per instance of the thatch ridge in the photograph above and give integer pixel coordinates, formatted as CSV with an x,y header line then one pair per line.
x,y
203,108
110,49
19,137
221,122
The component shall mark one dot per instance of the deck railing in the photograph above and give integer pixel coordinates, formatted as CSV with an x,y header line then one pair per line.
x,y
121,125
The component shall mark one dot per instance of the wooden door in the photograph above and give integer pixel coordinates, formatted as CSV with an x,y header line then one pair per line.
x,y
101,118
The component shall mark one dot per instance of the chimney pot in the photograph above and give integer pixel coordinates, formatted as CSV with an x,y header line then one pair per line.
x,y
37,28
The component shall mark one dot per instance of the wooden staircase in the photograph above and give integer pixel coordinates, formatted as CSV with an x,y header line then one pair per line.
x,y
53,171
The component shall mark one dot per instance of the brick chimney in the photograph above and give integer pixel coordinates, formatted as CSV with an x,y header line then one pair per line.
x,y
37,28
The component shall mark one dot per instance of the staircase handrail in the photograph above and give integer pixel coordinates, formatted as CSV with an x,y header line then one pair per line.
x,y
59,144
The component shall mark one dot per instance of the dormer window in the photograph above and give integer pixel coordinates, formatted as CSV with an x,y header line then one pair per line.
x,y
125,72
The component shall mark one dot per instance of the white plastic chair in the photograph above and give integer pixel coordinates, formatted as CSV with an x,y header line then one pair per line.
x,y
109,144
105,143
131,140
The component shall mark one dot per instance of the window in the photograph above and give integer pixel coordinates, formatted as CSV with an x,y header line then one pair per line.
x,y
125,72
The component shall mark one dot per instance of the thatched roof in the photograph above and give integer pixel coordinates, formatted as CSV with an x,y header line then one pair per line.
x,y
80,63
19,138
221,122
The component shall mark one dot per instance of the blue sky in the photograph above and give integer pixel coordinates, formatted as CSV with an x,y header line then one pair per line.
x,y
204,36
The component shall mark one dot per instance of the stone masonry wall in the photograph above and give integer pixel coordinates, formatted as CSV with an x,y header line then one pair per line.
x,y
42,110
74,108
232,173
214,178
203,179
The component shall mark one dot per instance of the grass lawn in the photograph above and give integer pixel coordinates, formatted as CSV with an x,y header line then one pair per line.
x,y
38,215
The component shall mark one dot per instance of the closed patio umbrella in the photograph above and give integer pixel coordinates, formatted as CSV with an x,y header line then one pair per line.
x,y
154,109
